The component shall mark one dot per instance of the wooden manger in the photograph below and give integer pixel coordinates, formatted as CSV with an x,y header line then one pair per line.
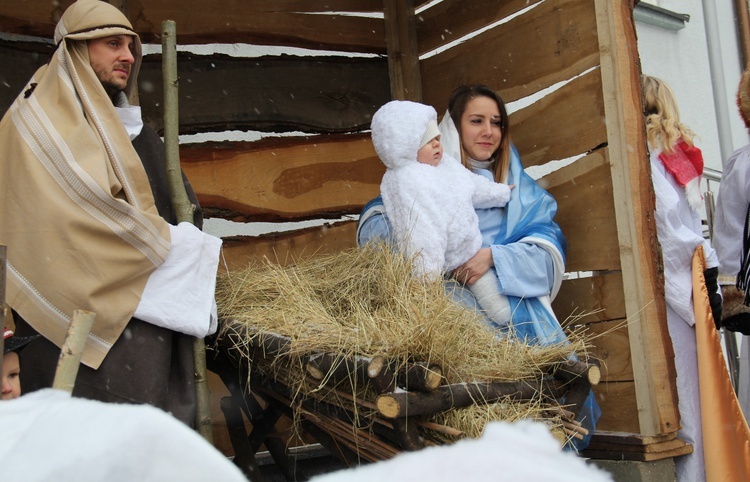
x,y
569,70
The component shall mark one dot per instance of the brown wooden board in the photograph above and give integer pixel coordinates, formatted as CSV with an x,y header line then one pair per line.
x,y
549,44
683,449
219,92
403,58
217,21
284,179
583,191
623,438
619,408
26,58
277,94
611,347
450,20
290,247
591,299
565,123
651,347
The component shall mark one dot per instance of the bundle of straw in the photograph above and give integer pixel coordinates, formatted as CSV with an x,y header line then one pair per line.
x,y
366,303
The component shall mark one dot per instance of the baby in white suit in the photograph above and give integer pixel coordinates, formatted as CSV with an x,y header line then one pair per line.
x,y
430,198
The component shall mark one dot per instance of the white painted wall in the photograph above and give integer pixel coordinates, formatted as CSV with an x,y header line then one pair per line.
x,y
681,59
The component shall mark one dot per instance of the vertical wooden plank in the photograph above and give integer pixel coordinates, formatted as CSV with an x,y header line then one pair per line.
x,y
651,350
403,56
3,260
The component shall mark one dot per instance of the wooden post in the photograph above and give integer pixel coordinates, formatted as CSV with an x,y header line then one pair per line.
x,y
3,309
403,55
182,206
743,25
72,349
650,345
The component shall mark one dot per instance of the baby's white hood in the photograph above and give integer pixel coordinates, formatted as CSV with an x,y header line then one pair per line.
x,y
397,129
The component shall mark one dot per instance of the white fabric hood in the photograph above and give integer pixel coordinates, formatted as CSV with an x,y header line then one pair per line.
x,y
397,129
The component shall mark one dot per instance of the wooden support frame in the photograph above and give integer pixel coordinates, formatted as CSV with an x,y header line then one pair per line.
x,y
403,54
650,345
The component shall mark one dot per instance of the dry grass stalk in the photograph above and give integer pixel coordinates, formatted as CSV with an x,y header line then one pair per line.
x,y
363,303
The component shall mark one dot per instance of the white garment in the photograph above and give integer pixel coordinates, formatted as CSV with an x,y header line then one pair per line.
x,y
679,231
130,115
48,435
729,224
431,208
179,295
521,451
729,217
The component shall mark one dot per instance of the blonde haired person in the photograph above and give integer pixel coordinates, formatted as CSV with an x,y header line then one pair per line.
x,y
676,169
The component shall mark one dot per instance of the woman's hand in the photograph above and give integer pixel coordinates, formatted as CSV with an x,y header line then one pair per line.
x,y
469,272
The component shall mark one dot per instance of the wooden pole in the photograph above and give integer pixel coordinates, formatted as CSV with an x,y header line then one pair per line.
x,y
183,207
743,21
3,309
403,54
72,349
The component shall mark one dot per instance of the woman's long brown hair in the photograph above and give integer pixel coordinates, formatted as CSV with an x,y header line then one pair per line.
x,y
457,106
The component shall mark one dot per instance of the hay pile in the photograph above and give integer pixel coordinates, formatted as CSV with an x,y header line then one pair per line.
x,y
365,302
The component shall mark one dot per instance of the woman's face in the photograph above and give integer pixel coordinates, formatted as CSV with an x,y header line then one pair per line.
x,y
480,128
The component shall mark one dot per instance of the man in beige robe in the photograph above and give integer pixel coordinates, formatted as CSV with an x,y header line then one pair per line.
x,y
85,214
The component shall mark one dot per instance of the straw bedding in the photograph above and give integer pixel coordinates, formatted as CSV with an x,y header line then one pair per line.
x,y
366,303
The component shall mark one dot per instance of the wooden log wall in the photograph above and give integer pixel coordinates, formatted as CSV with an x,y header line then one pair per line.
x,y
575,58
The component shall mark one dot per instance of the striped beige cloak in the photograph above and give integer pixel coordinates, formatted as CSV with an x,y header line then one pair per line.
x,y
76,209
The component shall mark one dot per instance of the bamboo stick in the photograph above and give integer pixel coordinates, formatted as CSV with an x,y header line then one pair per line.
x,y
72,349
183,208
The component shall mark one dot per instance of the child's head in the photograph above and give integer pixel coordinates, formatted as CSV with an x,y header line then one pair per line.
x,y
402,129
431,151
11,364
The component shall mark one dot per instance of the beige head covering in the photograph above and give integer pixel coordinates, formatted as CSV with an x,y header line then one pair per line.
x,y
76,208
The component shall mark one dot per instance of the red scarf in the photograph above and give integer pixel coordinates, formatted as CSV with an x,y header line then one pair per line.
x,y
685,163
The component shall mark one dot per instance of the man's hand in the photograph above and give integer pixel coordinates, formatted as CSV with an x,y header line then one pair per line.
x,y
469,272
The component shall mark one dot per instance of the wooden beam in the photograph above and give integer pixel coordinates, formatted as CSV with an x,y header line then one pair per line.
x,y
288,248
461,18
541,137
403,57
219,92
284,180
650,345
552,43
220,21
589,226
611,345
588,300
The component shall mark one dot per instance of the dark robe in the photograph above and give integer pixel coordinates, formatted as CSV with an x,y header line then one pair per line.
x,y
147,364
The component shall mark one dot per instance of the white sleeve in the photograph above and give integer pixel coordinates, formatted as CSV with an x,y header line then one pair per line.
x,y
731,209
179,295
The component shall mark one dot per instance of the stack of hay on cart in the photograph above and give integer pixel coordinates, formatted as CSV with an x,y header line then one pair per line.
x,y
379,361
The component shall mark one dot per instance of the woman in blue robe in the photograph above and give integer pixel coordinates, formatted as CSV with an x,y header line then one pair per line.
x,y
521,243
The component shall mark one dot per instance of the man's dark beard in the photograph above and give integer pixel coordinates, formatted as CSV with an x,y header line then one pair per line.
x,y
111,89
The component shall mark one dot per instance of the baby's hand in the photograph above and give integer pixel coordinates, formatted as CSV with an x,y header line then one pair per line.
x,y
511,186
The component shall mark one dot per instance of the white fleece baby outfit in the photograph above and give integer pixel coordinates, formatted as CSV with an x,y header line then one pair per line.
x,y
431,208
